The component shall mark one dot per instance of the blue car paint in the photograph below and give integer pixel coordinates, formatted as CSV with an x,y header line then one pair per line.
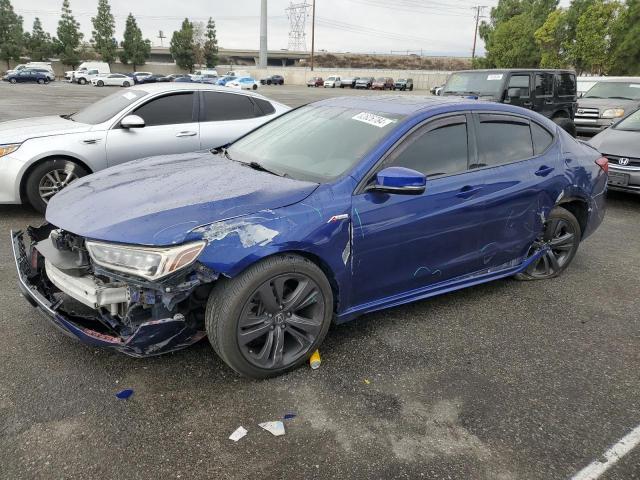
x,y
378,250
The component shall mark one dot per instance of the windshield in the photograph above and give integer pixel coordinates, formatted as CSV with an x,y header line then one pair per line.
x,y
314,143
480,83
620,90
108,107
632,122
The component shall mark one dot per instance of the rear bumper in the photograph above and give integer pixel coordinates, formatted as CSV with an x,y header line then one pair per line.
x,y
153,337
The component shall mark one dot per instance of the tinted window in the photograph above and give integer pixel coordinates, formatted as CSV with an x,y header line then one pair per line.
x,y
436,152
618,90
521,82
544,84
104,109
167,110
265,106
541,138
502,140
227,106
566,84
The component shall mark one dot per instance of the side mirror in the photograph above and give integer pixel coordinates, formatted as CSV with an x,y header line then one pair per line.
x,y
132,121
399,180
513,93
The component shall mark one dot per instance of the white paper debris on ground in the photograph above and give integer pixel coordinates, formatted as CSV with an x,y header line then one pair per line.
x,y
276,428
238,434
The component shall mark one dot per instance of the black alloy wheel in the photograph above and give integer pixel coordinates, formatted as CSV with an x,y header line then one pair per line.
x,y
560,239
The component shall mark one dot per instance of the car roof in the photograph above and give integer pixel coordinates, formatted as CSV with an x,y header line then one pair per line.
x,y
409,105
153,88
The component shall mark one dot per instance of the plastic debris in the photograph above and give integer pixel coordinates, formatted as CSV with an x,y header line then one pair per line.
x,y
275,428
124,394
238,434
367,381
289,416
315,360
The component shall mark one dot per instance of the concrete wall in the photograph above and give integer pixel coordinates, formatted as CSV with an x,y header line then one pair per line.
x,y
422,79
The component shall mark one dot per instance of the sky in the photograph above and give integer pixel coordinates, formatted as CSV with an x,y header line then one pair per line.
x,y
431,27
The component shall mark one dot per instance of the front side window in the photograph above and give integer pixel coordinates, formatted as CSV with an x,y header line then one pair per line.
x,y
502,139
521,82
544,85
167,110
315,143
438,151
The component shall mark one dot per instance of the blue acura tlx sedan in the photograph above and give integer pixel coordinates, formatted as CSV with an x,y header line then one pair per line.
x,y
333,210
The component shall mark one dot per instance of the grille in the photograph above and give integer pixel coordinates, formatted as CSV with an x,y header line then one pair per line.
x,y
615,160
592,113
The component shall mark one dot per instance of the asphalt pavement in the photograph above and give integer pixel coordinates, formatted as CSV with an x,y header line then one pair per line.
x,y
507,380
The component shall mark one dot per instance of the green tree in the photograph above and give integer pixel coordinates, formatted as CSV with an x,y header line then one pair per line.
x,y
626,41
182,46
574,12
551,38
509,33
11,37
596,28
211,45
104,26
69,36
38,43
135,49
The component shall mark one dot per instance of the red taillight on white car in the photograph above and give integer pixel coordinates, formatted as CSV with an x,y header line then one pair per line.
x,y
603,163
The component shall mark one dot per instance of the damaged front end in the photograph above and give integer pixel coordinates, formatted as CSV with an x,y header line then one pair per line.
x,y
106,308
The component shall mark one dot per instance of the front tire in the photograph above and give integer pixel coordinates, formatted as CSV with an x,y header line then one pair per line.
x,y
48,178
126,84
40,81
82,81
270,318
100,83
561,236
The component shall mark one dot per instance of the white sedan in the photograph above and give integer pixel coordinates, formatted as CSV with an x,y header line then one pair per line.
x,y
244,83
111,79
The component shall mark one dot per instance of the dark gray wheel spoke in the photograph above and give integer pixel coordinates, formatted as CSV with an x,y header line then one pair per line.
x,y
303,296
563,242
307,325
278,347
251,334
268,298
265,351
553,261
300,338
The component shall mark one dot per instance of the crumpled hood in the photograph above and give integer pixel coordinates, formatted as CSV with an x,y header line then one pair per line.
x,y
17,131
159,200
621,143
604,103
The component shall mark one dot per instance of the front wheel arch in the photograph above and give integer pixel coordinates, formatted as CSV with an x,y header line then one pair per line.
x,y
34,165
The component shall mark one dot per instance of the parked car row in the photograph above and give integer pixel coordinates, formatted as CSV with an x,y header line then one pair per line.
x,y
29,75
369,83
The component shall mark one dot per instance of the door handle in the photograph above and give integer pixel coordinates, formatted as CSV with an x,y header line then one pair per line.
x,y
186,134
468,191
543,171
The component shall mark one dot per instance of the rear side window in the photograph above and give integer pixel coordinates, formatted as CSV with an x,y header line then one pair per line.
x,y
439,151
521,82
541,138
566,84
228,106
167,110
264,106
544,84
502,139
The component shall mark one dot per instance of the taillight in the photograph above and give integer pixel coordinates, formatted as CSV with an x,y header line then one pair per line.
x,y
603,163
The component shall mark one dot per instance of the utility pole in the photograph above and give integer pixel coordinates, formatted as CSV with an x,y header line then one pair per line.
x,y
263,35
313,31
478,14
161,37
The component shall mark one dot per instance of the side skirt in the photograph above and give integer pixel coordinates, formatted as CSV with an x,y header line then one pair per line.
x,y
437,289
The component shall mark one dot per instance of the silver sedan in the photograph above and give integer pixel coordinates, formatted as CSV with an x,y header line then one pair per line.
x,y
39,156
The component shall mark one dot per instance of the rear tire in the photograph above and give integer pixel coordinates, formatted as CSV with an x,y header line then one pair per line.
x,y
48,178
283,301
100,83
126,84
40,81
82,81
567,125
562,235
255,87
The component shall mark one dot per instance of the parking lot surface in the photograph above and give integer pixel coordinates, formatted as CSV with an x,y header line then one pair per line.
x,y
508,380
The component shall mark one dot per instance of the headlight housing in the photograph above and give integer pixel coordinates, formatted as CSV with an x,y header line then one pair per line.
x,y
8,148
613,113
147,262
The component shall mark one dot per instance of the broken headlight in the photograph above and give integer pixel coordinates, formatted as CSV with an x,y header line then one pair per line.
x,y
146,262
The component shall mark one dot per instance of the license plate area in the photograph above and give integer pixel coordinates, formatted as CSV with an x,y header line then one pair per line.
x,y
618,179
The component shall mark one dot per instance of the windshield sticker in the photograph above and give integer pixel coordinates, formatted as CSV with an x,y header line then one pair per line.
x,y
129,95
371,119
634,85
495,76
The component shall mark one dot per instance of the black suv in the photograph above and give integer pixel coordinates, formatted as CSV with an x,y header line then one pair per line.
x,y
552,93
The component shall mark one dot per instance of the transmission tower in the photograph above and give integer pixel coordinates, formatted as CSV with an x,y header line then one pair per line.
x,y
297,13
